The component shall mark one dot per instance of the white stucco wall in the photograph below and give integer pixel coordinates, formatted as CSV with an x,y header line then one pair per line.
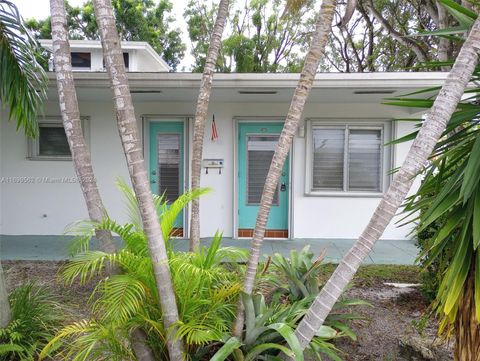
x,y
46,208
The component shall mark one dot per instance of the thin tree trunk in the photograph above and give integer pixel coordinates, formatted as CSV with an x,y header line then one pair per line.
x,y
312,60
467,327
201,116
140,345
5,311
127,126
431,130
409,43
67,98
443,43
80,155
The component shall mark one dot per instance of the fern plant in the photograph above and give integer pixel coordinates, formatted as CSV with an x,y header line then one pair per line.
x,y
35,318
206,288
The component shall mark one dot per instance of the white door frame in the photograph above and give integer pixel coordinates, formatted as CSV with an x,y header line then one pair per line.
x,y
156,118
260,119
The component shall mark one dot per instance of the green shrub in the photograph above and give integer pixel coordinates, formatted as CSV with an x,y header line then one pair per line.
x,y
269,326
35,318
206,287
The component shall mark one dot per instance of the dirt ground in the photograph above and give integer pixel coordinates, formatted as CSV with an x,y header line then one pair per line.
x,y
392,317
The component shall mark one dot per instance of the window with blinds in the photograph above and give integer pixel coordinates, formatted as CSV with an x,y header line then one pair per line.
x,y
52,141
347,158
260,149
168,160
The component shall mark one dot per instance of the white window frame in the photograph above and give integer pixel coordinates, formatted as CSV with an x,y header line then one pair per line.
x,y
33,146
386,128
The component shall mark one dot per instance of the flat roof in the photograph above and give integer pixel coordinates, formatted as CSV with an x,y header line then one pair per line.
x,y
265,80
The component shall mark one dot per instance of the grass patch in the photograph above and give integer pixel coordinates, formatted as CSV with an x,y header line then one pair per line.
x,y
375,274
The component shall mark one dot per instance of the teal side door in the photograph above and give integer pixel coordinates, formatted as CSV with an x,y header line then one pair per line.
x,y
256,145
166,168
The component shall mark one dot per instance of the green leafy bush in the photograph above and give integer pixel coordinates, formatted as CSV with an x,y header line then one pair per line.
x,y
206,286
269,327
35,318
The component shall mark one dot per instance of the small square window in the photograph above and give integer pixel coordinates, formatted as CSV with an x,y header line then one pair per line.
x,y
81,60
51,143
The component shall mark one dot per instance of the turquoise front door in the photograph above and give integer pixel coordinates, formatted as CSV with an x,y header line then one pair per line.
x,y
256,145
166,169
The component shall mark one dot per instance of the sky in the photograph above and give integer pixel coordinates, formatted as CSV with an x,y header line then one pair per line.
x,y
40,9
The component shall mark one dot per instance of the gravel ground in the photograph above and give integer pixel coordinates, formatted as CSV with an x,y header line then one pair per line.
x,y
389,320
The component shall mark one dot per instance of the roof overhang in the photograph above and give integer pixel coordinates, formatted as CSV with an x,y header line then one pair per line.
x,y
418,80
248,87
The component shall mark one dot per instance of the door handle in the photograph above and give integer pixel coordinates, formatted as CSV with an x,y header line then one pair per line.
x,y
283,187
153,181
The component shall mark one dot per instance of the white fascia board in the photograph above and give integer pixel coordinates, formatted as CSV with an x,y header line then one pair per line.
x,y
397,80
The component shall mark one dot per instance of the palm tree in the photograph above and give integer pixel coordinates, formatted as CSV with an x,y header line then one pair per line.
x,y
201,115
23,85
312,60
67,98
127,127
432,128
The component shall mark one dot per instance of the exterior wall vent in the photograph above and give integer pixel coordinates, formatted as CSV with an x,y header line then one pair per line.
x,y
139,91
257,92
373,91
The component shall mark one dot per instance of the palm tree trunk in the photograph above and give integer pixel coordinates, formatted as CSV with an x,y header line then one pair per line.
x,y
67,98
140,346
127,127
201,116
5,311
312,60
467,327
431,130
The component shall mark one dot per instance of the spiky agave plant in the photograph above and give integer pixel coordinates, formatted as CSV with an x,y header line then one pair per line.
x,y
206,289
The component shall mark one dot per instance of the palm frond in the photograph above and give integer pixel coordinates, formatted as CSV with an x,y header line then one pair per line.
x,y
120,298
170,213
90,340
23,81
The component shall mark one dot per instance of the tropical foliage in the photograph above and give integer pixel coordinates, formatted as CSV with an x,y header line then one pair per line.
x,y
291,285
206,288
35,318
23,82
258,38
448,201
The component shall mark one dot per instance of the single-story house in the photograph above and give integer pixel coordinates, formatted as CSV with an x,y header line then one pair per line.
x,y
337,170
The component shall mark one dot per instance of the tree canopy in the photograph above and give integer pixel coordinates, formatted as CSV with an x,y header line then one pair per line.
x,y
137,20
382,36
258,37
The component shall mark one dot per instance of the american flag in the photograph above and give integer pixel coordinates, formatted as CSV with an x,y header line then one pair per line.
x,y
214,129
